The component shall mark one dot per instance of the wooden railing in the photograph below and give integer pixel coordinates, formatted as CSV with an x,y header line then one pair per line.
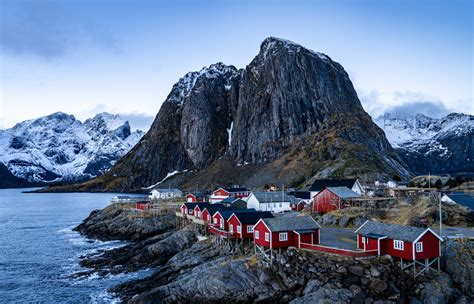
x,y
216,231
339,251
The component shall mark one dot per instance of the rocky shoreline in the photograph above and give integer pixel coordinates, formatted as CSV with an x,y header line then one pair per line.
x,y
199,271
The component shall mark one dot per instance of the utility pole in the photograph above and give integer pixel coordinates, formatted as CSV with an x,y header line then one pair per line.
x,y
429,180
440,217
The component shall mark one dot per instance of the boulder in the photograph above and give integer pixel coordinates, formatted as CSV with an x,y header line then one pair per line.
x,y
439,291
344,220
378,286
325,295
356,270
329,220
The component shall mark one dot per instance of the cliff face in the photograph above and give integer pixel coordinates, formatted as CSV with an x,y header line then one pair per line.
x,y
290,115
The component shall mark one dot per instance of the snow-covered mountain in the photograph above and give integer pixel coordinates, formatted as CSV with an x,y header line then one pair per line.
x,y
427,144
58,147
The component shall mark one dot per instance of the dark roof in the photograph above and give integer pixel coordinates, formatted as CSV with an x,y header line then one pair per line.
x,y
198,194
190,205
291,223
229,200
463,199
395,232
202,205
375,236
250,218
226,213
213,208
236,189
320,184
343,192
301,194
274,197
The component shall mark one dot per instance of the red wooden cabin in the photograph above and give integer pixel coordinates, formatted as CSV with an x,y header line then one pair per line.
x,y
209,211
333,198
143,205
408,243
196,198
221,217
298,206
282,232
222,193
241,224
199,208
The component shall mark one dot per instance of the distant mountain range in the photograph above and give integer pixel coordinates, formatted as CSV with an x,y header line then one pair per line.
x,y
60,148
429,145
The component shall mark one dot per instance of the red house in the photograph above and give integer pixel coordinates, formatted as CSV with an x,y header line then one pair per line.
x,y
282,232
333,198
199,208
188,208
209,211
407,243
143,205
241,224
221,217
298,206
222,193
196,198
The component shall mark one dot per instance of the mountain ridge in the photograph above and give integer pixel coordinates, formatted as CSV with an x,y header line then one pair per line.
x,y
60,148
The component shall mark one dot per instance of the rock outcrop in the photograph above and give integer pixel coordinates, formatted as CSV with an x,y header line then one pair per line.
x,y
292,114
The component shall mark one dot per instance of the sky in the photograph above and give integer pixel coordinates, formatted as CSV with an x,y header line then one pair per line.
x,y
84,57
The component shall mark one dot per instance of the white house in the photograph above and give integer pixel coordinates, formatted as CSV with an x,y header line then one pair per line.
x,y
271,201
321,184
165,193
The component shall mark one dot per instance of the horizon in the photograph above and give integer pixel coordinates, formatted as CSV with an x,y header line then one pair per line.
x,y
77,58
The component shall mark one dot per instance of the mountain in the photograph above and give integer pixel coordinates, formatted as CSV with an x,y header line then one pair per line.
x,y
427,144
290,116
60,148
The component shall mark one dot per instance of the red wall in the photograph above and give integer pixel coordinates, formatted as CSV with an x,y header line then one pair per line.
x,y
276,243
406,253
190,198
325,201
218,217
430,247
261,228
183,209
306,238
220,192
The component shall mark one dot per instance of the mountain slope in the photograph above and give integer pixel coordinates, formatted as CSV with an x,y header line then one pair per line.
x,y
440,146
291,115
58,147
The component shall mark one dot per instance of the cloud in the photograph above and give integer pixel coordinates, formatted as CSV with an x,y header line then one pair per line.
x,y
47,29
141,121
404,104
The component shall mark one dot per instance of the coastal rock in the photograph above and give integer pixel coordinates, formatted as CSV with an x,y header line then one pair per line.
x,y
325,295
123,222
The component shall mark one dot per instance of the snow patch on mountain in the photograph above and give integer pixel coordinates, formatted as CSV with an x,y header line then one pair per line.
x,y
58,147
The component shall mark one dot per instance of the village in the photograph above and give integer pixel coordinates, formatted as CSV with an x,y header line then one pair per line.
x,y
263,223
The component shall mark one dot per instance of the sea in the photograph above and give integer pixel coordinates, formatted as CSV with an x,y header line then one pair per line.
x,y
40,253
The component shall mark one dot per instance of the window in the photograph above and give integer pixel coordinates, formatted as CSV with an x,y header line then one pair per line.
x,y
208,217
239,229
199,213
222,223
283,236
249,229
365,240
231,228
191,211
256,235
267,236
419,247
398,244
215,220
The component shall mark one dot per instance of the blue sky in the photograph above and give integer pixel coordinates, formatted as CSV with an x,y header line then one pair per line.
x,y
83,57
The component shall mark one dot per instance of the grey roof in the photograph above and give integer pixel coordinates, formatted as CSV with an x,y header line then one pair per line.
x,y
463,199
291,223
226,213
395,232
343,192
274,197
320,184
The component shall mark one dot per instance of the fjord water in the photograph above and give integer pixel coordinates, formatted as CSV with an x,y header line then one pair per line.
x,y
39,251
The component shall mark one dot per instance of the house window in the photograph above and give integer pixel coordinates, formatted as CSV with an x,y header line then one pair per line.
x,y
208,217
419,247
239,229
222,223
231,228
283,236
365,240
199,213
256,235
191,211
398,244
249,229
267,236
215,220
